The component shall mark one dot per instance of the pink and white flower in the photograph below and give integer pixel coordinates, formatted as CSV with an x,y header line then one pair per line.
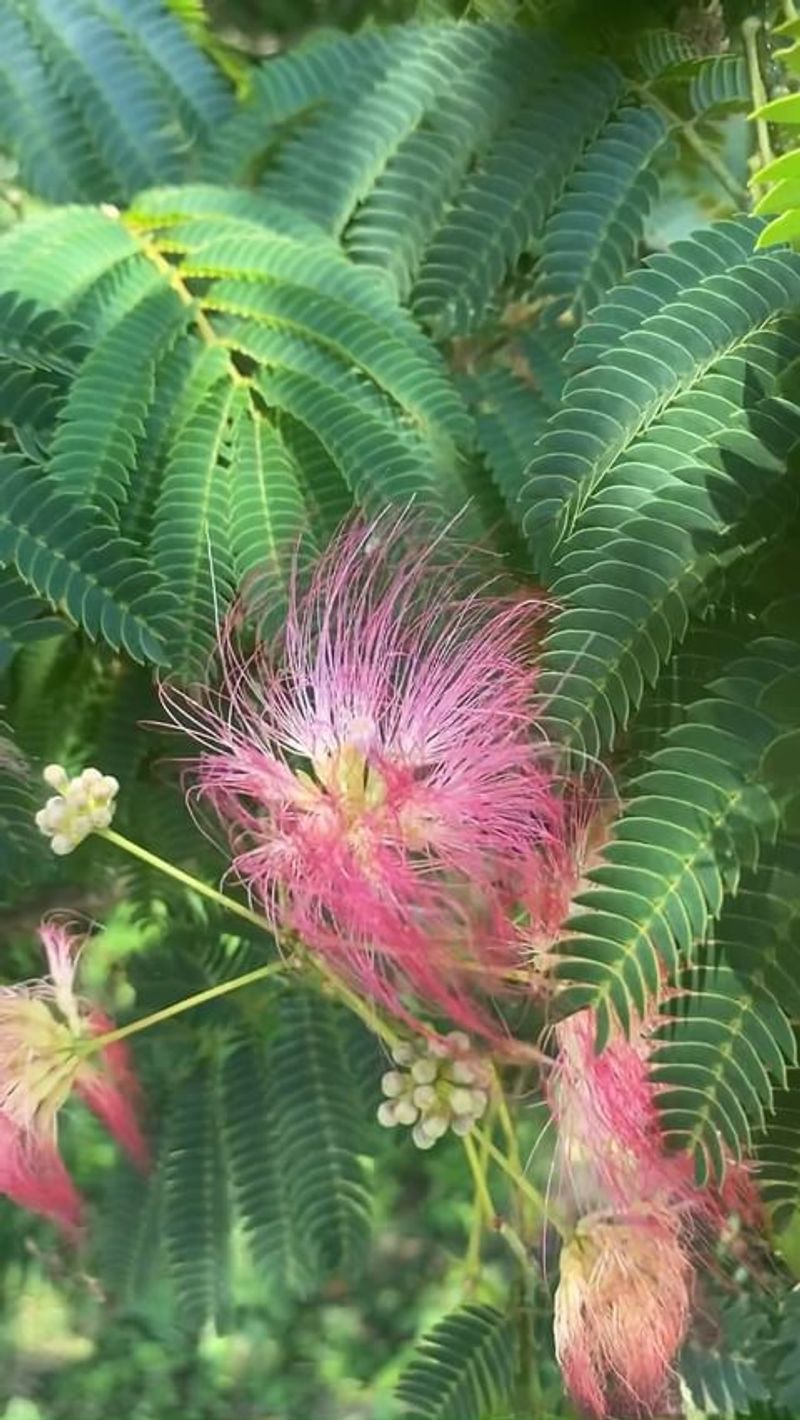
x,y
44,1030
376,772
621,1310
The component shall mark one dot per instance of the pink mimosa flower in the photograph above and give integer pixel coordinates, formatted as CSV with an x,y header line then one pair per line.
x,y
610,1145
611,1149
44,1027
621,1312
376,773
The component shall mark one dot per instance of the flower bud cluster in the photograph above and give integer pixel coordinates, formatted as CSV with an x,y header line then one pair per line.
x,y
79,806
441,1085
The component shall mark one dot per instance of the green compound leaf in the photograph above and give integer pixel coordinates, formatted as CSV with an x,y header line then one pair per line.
x,y
463,1370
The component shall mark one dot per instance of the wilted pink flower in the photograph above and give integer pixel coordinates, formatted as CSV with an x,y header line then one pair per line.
x,y
44,1027
376,772
621,1310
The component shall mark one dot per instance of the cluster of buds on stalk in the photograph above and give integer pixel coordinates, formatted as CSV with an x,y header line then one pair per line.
x,y
441,1084
79,807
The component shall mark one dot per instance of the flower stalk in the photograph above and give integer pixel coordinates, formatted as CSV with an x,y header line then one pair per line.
x,y
202,889
187,1003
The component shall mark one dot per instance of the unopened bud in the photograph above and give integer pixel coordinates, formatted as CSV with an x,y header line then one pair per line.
x,y
424,1071
393,1084
461,1102
405,1112
403,1053
424,1096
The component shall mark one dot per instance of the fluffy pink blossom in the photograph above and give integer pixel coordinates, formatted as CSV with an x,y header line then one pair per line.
x,y
611,1149
375,769
623,1300
44,1028
621,1311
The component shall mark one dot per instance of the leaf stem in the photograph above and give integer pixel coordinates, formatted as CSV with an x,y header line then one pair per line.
x,y
188,1003
704,150
492,1218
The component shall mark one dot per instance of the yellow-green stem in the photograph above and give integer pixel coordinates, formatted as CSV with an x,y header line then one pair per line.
x,y
479,1178
360,1008
203,889
363,1009
507,1126
472,1261
491,1216
532,1194
750,32
188,1003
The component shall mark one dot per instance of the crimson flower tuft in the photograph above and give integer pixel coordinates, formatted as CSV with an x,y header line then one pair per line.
x,y
375,771
44,1029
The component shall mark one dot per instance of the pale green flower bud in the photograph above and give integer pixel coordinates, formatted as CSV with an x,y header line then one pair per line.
x,y
81,805
424,1071
393,1084
56,776
405,1112
458,1043
403,1053
435,1125
424,1096
462,1102
421,1138
387,1115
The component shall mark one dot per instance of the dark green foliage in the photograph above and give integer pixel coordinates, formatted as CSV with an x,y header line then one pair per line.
x,y
196,1203
406,266
262,1136
724,1374
590,240
77,562
318,1135
98,99
464,1368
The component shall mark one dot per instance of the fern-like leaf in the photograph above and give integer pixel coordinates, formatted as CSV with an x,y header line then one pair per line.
x,y
671,342
95,446
112,96
723,1376
191,538
591,238
79,563
694,817
261,1187
318,1134
196,1203
502,207
23,617
463,1369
